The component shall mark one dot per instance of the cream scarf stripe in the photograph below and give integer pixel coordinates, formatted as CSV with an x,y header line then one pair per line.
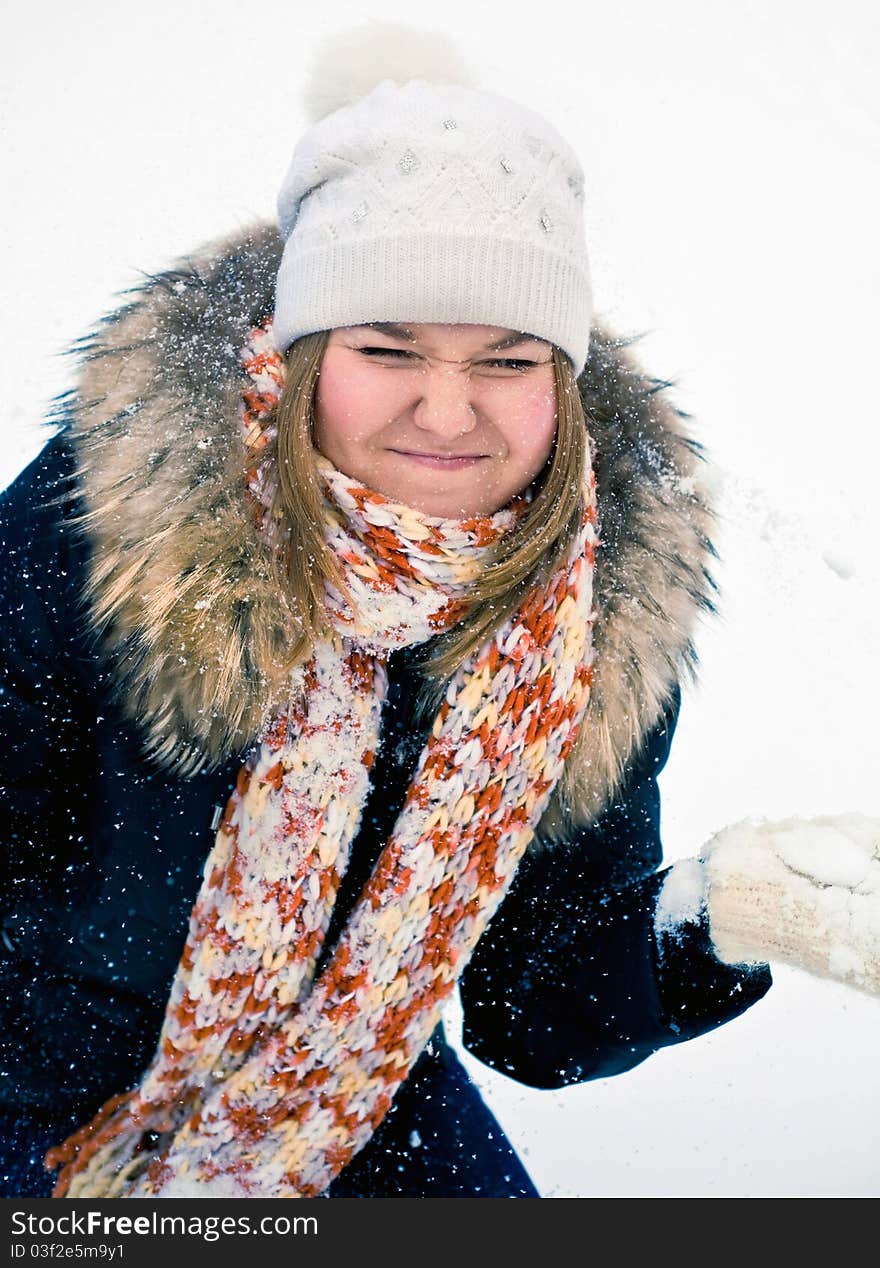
x,y
265,1082
244,930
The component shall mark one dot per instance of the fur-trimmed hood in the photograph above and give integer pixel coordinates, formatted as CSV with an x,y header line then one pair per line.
x,y
179,597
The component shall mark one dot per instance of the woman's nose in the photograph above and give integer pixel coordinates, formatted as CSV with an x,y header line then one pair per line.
x,y
444,401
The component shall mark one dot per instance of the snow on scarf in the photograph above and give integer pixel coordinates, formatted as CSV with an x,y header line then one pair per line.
x,y
267,1079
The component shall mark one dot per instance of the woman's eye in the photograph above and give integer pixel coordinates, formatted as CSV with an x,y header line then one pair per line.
x,y
496,366
385,352
509,363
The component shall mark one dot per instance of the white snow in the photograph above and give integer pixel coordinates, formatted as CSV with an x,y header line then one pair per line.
x,y
800,892
829,850
682,897
732,161
842,853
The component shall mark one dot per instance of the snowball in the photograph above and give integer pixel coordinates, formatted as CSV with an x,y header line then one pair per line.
x,y
682,896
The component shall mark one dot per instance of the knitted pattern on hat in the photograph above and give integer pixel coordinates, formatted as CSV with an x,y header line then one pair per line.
x,y
434,202
267,1078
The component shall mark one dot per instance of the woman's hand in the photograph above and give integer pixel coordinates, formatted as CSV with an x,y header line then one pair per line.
x,y
804,892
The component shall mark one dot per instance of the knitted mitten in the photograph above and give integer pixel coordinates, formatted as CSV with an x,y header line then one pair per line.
x,y
795,891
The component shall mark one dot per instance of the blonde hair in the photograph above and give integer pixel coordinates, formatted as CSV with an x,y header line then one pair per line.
x,y
520,561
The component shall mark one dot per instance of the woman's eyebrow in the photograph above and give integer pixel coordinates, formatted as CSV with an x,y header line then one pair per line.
x,y
395,331
391,329
512,340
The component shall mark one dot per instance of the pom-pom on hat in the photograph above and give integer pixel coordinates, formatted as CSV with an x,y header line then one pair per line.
x,y
415,196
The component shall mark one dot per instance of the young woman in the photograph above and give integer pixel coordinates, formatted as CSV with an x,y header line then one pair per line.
x,y
346,619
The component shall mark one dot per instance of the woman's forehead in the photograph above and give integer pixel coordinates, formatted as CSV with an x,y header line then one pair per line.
x,y
440,334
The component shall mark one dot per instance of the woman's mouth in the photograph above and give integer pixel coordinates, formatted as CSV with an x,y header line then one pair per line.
x,y
441,462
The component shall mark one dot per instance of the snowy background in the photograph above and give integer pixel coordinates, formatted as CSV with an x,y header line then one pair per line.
x,y
732,152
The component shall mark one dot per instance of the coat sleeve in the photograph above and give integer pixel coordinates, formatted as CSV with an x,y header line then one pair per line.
x,y
568,984
45,731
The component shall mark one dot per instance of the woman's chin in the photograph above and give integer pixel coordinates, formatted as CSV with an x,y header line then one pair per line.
x,y
442,505
436,495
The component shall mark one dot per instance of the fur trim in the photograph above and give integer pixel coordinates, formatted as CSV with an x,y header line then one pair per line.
x,y
179,594
353,62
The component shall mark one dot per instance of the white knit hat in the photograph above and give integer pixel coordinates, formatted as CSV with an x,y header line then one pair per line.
x,y
427,201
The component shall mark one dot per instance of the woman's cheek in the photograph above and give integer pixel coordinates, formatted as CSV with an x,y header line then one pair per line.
x,y
338,396
340,408
532,428
353,402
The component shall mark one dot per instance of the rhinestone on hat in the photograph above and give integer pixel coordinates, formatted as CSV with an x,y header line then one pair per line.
x,y
546,222
408,162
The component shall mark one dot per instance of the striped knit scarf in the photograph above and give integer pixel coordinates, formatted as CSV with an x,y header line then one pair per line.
x,y
268,1078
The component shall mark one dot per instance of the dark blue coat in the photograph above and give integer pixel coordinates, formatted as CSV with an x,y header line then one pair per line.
x,y
101,863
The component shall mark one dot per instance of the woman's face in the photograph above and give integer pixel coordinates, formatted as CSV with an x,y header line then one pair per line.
x,y
438,417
